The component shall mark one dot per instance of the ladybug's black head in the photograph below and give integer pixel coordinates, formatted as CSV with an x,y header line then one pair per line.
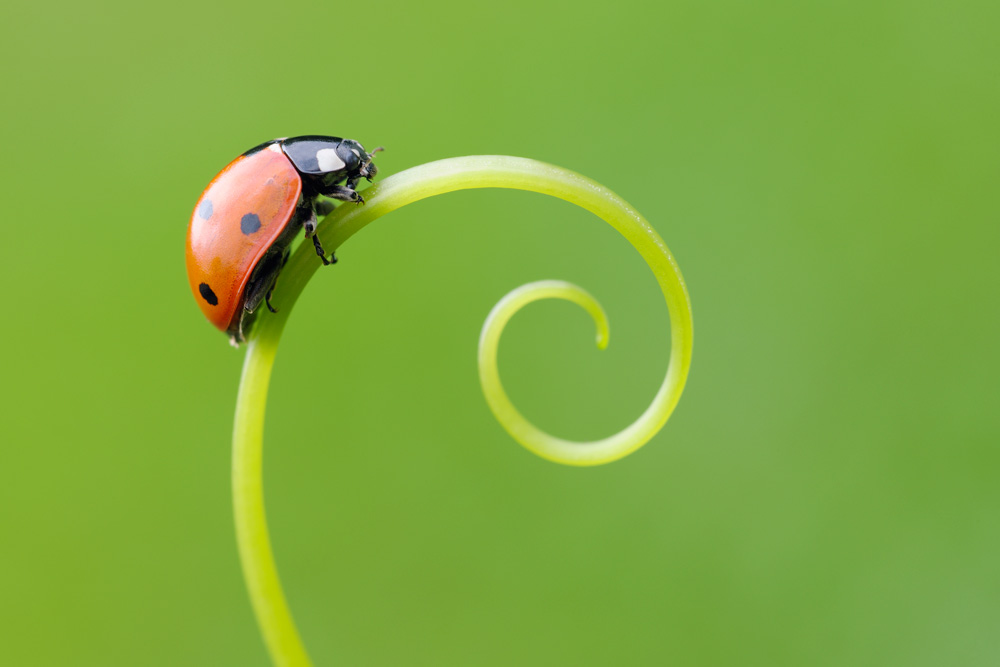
x,y
357,161
352,154
368,168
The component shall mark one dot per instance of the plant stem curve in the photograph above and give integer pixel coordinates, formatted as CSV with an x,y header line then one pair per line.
x,y
480,171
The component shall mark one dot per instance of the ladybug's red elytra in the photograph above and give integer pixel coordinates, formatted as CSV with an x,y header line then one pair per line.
x,y
247,217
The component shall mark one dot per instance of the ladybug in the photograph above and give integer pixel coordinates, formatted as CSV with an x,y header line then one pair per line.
x,y
243,225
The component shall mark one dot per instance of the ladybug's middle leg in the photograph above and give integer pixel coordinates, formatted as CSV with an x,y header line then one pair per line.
x,y
306,212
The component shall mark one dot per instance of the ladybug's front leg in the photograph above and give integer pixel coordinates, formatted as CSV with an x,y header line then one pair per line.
x,y
342,193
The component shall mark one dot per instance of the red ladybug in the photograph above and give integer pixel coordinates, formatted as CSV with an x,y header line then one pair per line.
x,y
244,222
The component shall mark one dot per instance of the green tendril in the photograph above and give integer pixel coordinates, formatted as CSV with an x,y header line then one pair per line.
x,y
483,171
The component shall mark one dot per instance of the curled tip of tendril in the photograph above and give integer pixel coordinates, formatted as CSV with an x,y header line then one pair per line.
x,y
519,428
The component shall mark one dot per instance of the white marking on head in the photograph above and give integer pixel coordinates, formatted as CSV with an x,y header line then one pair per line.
x,y
356,153
328,160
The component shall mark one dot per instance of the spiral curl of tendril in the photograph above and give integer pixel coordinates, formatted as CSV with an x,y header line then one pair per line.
x,y
480,171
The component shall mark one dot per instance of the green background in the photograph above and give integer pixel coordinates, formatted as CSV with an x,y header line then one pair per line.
x,y
826,492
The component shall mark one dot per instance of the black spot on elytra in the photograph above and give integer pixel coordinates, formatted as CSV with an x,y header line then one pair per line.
x,y
207,294
205,209
249,223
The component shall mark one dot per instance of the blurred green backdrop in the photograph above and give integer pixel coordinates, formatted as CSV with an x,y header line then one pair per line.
x,y
825,494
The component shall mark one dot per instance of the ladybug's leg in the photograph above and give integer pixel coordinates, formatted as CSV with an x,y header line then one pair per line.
x,y
306,212
322,253
262,281
266,273
342,193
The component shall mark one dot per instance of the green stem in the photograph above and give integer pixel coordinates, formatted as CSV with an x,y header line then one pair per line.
x,y
483,171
